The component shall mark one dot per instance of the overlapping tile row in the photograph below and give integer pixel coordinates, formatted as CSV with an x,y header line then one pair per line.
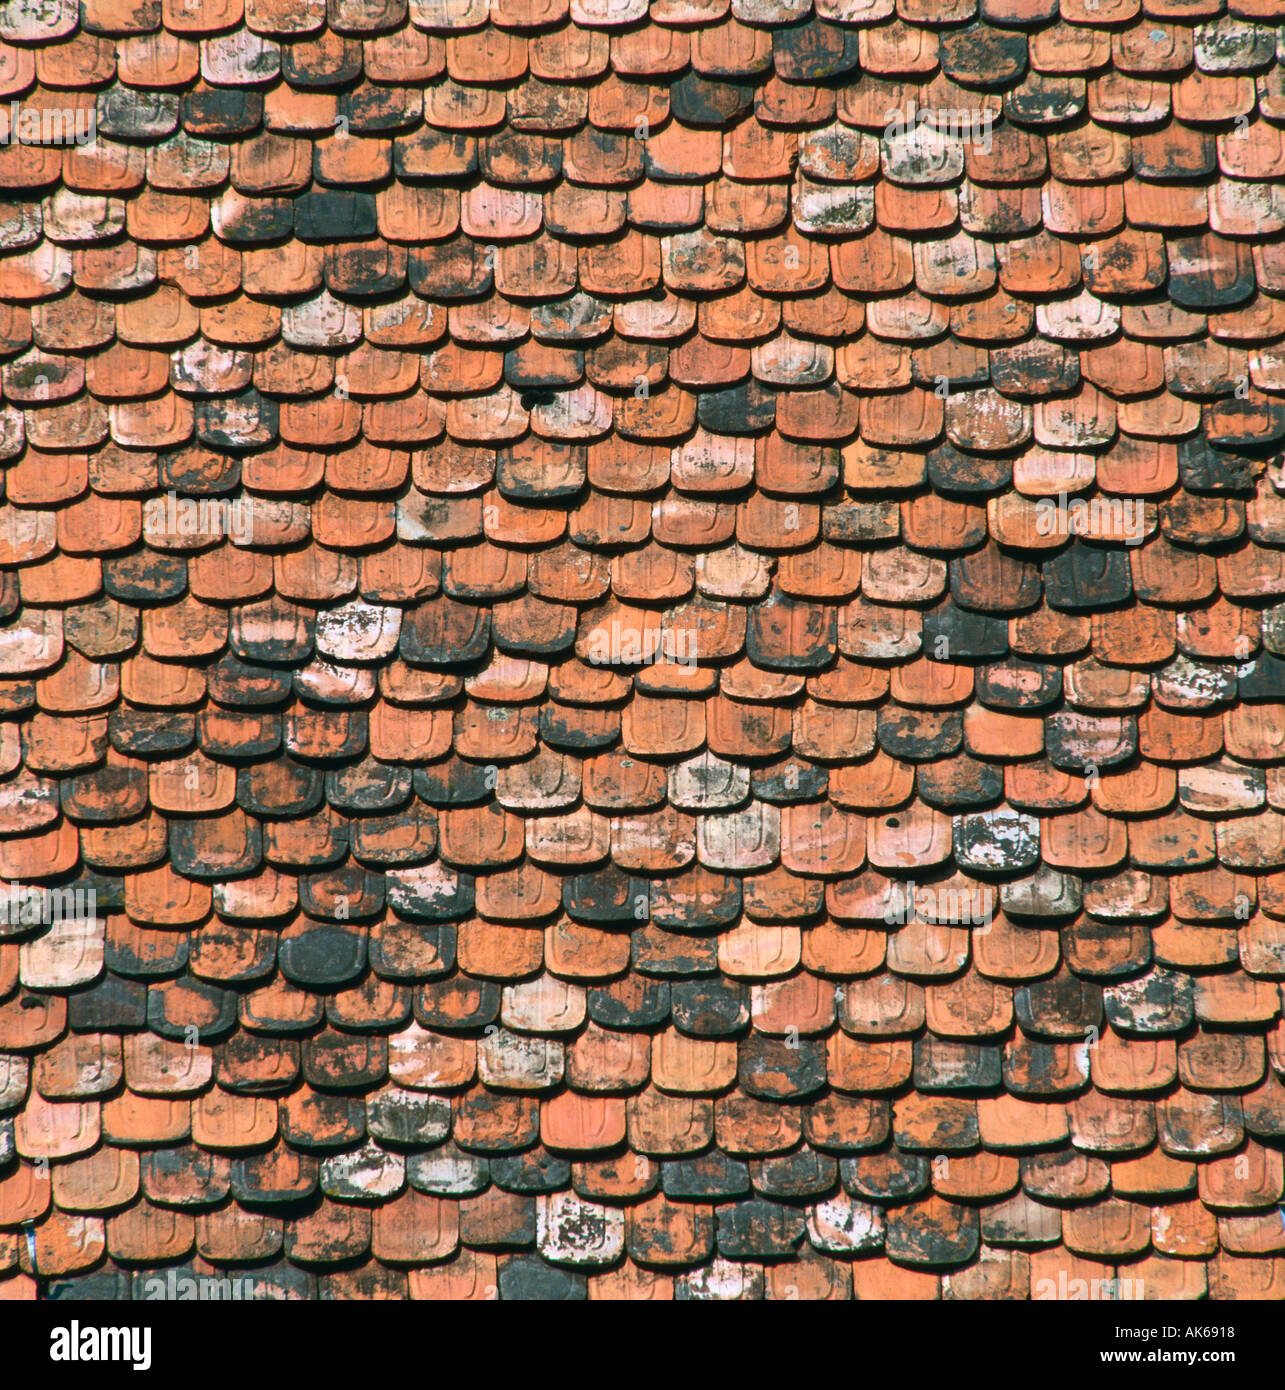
x,y
668,675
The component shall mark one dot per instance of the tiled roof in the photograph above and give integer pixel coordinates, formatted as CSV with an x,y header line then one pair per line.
x,y
660,633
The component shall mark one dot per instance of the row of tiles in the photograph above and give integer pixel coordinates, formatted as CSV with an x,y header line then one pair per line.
x,y
482,1275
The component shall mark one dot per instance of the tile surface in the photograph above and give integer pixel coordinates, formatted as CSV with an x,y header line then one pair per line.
x,y
642,649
